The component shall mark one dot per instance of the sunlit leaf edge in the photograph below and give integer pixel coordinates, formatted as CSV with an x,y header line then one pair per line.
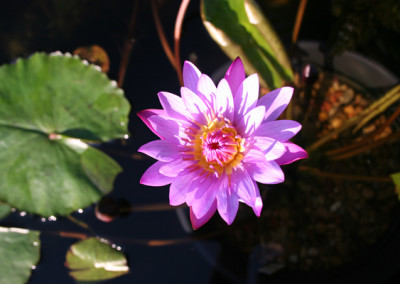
x,y
80,259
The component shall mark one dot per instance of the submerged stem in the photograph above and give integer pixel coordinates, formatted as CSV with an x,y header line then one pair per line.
x,y
363,117
368,138
320,173
367,147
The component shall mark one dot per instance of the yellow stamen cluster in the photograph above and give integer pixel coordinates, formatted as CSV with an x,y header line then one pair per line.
x,y
230,149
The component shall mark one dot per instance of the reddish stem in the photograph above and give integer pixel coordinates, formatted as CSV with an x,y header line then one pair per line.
x,y
299,19
161,34
126,53
177,37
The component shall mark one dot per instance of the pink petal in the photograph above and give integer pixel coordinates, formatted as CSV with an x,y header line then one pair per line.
x,y
293,153
168,128
191,75
197,107
244,185
198,222
235,74
275,102
246,96
273,149
267,172
179,188
258,204
153,177
172,169
198,188
174,106
227,204
251,121
204,199
207,90
254,156
145,114
224,100
281,130
162,150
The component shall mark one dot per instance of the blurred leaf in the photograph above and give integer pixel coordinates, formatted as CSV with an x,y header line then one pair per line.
x,y
240,29
5,209
396,180
48,103
91,260
19,252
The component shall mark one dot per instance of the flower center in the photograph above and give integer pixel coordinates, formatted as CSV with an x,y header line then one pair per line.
x,y
217,147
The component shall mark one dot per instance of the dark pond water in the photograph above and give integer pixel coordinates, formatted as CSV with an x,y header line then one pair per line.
x,y
28,26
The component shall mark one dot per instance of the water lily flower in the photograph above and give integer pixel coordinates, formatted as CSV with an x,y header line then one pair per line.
x,y
218,141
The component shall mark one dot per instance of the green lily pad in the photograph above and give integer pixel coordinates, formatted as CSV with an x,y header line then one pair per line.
x,y
93,260
5,209
240,29
19,253
48,105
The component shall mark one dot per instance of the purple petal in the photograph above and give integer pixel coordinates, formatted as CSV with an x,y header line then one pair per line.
x,y
162,150
275,102
267,172
254,156
204,198
281,130
228,204
258,204
147,113
174,106
244,185
207,90
273,149
197,107
199,188
168,128
251,121
246,96
235,74
172,169
224,100
293,153
191,75
179,188
198,222
153,177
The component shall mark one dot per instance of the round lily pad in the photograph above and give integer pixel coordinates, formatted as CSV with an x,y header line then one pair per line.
x,y
49,105
93,260
19,253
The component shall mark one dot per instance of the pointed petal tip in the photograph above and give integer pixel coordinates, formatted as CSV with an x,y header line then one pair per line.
x,y
235,74
191,75
237,60
235,67
153,177
293,153
198,222
258,206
